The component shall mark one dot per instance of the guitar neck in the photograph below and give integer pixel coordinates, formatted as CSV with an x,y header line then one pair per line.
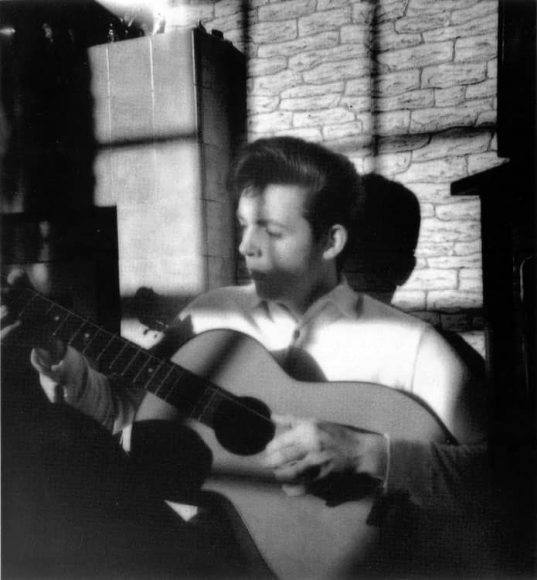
x,y
121,359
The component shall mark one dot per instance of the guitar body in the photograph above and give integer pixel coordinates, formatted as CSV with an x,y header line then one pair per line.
x,y
297,537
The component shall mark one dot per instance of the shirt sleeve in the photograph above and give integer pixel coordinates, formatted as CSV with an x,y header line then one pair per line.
x,y
90,391
438,475
444,501
448,487
450,386
434,476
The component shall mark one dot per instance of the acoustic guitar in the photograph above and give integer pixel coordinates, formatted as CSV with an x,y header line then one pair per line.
x,y
228,386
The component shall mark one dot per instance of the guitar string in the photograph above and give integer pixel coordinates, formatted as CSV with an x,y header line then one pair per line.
x,y
207,384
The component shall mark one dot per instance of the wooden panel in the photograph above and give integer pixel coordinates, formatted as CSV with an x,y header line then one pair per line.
x,y
174,106
100,89
131,99
167,150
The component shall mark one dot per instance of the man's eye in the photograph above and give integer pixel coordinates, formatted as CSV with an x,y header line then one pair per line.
x,y
273,232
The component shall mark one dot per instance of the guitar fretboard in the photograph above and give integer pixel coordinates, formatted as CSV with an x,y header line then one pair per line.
x,y
121,359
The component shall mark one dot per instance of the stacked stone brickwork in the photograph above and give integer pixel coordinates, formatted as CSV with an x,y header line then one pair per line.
x,y
406,88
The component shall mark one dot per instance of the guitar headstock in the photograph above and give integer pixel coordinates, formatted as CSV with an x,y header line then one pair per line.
x,y
27,316
16,293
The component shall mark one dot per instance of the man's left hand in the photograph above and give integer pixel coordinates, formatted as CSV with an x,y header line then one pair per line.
x,y
308,451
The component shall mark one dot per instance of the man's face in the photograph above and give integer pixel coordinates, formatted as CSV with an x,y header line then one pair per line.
x,y
277,243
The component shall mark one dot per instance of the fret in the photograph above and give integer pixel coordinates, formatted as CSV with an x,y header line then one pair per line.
x,y
127,370
93,346
123,358
207,412
21,312
49,305
56,316
146,364
105,348
36,309
75,336
136,365
127,360
122,345
194,391
109,353
83,336
170,383
153,373
68,327
161,381
201,405
182,389
146,372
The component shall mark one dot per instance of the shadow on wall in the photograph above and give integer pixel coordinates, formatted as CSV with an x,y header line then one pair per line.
x,y
383,244
383,247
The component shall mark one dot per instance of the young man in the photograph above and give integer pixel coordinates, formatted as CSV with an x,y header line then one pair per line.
x,y
297,203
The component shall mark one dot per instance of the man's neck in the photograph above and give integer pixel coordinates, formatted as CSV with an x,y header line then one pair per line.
x,y
297,308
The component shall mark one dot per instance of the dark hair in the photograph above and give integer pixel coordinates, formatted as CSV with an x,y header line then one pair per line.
x,y
334,186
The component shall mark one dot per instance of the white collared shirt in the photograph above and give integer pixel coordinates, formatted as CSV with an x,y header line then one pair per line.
x,y
350,336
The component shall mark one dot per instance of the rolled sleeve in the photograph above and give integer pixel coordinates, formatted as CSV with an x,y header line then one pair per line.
x,y
86,389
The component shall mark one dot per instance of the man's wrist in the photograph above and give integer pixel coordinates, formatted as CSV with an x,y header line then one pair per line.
x,y
386,460
375,460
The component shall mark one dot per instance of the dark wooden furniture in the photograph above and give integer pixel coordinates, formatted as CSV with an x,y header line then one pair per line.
x,y
507,199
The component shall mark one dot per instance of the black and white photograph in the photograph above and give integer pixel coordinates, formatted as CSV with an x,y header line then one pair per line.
x,y
268,289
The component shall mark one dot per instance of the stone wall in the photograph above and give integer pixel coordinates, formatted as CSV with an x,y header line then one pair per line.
x,y
406,88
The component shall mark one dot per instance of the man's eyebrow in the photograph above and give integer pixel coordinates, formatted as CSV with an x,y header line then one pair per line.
x,y
262,221
273,223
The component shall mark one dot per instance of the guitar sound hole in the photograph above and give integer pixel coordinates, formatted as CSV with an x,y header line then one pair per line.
x,y
243,426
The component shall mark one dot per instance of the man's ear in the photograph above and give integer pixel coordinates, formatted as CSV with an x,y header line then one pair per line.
x,y
335,241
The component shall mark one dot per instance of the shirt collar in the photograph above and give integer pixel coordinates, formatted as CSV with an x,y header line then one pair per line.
x,y
342,297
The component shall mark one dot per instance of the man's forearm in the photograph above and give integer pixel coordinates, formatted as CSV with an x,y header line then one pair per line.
x,y
87,390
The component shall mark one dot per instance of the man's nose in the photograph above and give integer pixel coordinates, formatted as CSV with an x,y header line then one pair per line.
x,y
250,243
